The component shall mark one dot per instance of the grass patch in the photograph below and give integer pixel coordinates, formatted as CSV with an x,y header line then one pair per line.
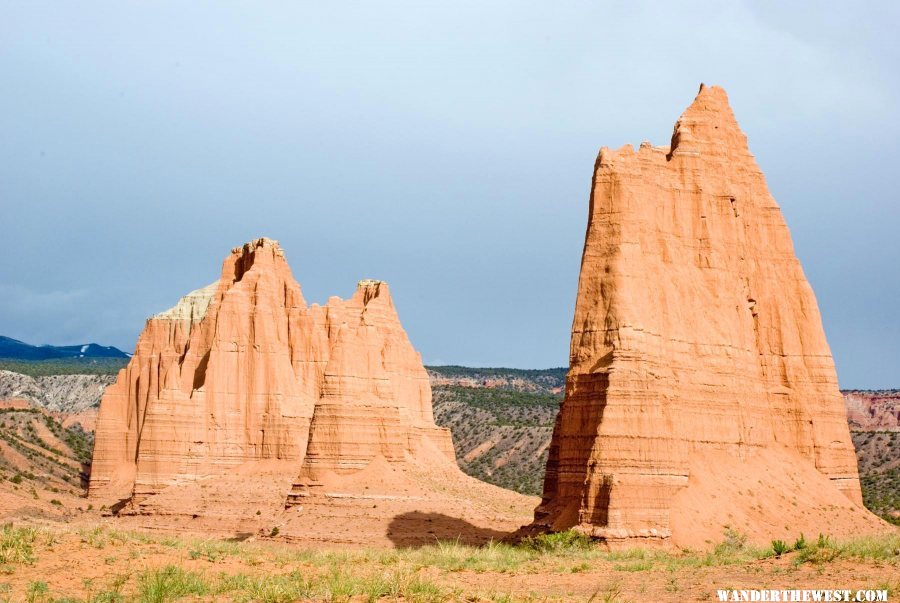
x,y
557,542
334,584
455,557
214,550
417,574
17,544
884,548
634,566
37,591
169,584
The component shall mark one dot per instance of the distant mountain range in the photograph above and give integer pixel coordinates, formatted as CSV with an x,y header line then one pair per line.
x,y
13,349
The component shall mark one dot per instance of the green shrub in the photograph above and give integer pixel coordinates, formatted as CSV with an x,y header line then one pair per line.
x,y
734,542
37,591
779,547
817,555
555,542
823,551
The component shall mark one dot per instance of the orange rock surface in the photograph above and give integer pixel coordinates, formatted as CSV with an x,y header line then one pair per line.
x,y
226,376
701,392
241,400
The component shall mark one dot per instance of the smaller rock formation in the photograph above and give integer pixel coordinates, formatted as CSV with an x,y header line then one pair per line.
x,y
241,401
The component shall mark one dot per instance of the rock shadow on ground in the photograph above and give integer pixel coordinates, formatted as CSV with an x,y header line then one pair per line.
x,y
416,529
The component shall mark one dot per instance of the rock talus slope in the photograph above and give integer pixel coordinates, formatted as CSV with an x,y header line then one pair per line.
x,y
701,392
242,400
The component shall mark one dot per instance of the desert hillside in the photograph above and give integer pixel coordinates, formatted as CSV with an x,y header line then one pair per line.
x,y
43,463
875,426
501,420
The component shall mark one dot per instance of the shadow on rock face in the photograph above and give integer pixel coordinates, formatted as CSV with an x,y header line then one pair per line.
x,y
416,528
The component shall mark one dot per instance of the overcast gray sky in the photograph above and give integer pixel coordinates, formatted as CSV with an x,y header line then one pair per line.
x,y
445,147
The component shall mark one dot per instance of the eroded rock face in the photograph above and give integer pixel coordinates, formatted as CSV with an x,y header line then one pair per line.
x,y
375,397
239,371
698,359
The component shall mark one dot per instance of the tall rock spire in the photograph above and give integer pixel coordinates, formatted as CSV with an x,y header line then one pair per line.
x,y
698,364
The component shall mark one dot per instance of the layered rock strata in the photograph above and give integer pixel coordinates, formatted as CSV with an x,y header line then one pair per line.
x,y
698,357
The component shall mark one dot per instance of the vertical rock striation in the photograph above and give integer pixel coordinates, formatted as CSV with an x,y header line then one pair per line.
x,y
699,376
375,398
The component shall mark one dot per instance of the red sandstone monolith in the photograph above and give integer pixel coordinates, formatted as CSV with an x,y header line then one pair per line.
x,y
701,394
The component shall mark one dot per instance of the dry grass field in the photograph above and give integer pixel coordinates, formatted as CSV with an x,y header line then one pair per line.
x,y
103,564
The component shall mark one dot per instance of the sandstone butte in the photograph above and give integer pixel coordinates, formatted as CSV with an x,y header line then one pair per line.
x,y
243,410
701,394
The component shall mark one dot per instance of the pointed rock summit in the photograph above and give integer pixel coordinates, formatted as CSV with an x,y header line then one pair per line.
x,y
241,400
215,381
701,394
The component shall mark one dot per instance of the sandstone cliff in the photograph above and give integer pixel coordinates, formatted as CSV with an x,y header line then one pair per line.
x,y
701,392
